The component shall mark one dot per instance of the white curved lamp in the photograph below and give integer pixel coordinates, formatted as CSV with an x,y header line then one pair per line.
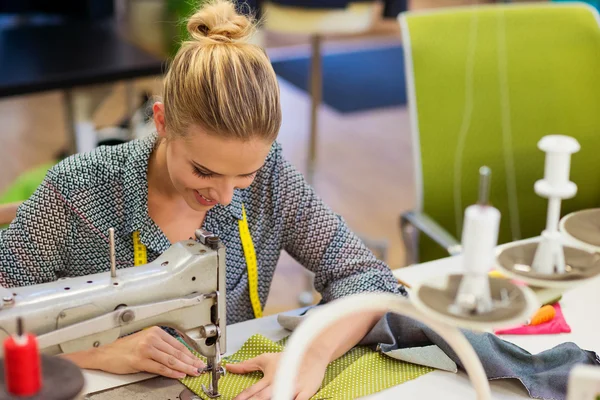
x,y
328,314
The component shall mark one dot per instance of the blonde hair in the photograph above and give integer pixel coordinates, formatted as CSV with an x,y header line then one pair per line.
x,y
219,81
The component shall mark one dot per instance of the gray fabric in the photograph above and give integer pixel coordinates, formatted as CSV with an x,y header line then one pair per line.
x,y
543,375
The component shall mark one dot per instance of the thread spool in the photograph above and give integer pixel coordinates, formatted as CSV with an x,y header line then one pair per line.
x,y
558,149
557,167
549,256
479,239
23,375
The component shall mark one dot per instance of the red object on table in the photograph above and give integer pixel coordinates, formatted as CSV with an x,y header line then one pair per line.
x,y
22,364
557,325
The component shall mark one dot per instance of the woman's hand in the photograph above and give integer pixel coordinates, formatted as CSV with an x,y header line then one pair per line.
x,y
152,350
308,382
331,344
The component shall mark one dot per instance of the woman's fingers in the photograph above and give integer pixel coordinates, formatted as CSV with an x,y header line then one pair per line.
x,y
244,367
264,394
177,353
157,345
303,395
253,390
177,345
158,368
172,361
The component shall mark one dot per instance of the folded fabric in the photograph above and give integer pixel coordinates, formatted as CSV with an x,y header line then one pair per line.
x,y
544,375
558,324
360,372
430,356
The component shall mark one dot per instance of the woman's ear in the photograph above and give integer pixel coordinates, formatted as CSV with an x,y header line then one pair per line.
x,y
158,109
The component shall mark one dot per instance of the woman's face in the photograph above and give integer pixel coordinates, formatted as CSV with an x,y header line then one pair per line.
x,y
205,169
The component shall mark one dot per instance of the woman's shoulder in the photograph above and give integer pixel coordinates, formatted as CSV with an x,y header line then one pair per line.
x,y
101,166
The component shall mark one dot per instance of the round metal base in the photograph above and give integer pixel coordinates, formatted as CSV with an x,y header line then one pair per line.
x,y
512,304
515,261
61,380
187,394
583,228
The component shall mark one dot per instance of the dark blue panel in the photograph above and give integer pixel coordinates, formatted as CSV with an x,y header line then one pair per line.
x,y
354,81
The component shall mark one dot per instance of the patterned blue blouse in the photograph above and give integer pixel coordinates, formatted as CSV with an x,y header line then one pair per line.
x,y
62,230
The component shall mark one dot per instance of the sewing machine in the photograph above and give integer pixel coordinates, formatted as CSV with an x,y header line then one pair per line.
x,y
183,289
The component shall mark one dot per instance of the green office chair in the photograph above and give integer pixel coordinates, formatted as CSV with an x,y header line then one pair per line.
x,y
593,3
484,85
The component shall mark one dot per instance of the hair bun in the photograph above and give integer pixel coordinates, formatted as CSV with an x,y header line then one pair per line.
x,y
217,21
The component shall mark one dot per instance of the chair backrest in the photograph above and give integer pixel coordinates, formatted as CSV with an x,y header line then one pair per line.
x,y
485,84
593,3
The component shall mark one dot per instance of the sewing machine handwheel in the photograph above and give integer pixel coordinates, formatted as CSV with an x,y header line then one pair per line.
x,y
61,380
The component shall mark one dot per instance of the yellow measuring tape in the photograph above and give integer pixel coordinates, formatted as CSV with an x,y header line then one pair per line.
x,y
140,257
251,264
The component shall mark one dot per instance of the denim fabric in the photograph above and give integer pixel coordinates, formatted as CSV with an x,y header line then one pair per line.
x,y
544,375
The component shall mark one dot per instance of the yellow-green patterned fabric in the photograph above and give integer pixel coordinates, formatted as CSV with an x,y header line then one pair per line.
x,y
360,372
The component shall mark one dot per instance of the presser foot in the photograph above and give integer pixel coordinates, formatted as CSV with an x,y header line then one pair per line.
x,y
210,393
212,390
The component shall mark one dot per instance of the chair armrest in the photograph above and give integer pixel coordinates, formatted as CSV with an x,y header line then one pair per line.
x,y
8,212
423,223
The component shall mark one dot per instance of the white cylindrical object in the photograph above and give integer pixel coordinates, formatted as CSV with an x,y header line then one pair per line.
x,y
557,168
543,260
553,217
558,149
480,236
549,256
310,329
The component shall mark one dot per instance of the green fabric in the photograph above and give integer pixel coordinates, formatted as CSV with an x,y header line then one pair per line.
x,y
359,372
551,55
25,185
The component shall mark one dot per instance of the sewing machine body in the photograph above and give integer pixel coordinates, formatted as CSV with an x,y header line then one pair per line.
x,y
184,289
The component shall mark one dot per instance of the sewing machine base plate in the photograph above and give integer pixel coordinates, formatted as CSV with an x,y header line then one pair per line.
x,y
158,388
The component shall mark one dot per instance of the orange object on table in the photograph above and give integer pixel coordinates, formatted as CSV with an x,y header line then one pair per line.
x,y
544,314
554,326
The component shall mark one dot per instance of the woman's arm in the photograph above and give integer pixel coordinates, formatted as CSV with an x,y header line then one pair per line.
x,y
322,242
339,338
35,245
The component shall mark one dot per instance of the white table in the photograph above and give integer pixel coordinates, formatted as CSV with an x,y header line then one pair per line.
x,y
580,307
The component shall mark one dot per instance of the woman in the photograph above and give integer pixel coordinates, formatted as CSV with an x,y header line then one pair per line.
x,y
213,156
